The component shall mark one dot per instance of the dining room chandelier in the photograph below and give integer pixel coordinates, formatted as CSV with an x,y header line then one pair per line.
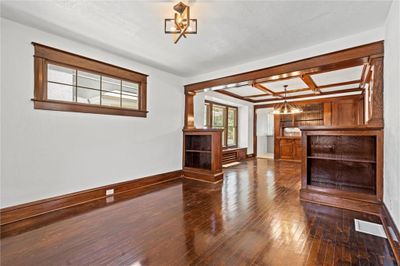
x,y
181,25
285,107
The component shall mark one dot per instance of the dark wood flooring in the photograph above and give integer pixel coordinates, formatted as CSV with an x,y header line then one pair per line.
x,y
253,218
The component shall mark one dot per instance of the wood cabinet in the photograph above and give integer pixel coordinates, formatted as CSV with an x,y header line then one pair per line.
x,y
342,111
342,166
202,154
289,148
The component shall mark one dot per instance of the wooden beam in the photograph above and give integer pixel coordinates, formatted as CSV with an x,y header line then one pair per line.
x,y
339,84
312,95
331,61
317,100
310,83
235,95
265,89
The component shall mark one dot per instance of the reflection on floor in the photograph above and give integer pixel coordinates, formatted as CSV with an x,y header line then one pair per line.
x,y
254,217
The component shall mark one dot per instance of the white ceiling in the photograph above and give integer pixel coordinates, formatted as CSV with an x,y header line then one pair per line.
x,y
293,83
347,74
230,32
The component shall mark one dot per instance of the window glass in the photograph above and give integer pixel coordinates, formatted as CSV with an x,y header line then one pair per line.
x,y
60,92
88,96
88,80
110,99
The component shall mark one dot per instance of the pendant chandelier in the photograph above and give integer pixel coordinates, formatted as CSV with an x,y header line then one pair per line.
x,y
287,108
181,24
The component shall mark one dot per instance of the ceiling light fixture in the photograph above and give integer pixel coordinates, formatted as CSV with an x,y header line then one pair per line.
x,y
181,24
286,108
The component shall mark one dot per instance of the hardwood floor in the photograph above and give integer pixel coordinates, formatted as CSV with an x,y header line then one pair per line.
x,y
253,218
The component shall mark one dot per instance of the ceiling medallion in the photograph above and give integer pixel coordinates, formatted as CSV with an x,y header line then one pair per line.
x,y
181,24
286,108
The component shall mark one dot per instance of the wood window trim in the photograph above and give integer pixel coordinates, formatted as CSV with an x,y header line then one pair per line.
x,y
45,55
209,120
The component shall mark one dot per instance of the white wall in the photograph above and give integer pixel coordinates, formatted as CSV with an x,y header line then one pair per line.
x,y
392,113
48,153
245,115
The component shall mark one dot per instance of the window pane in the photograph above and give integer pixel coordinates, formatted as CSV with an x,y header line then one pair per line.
x,y
231,135
130,101
130,87
88,96
60,92
206,110
110,99
60,74
88,80
218,116
111,85
231,117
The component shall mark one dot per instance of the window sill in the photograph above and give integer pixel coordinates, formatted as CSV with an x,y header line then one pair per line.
x,y
85,108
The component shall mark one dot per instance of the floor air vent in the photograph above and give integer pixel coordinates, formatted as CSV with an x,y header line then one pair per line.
x,y
369,228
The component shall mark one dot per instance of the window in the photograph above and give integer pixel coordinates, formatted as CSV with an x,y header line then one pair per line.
x,y
69,82
224,117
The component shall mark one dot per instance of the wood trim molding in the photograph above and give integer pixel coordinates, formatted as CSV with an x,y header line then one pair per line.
x,y
392,232
28,210
85,108
45,55
318,100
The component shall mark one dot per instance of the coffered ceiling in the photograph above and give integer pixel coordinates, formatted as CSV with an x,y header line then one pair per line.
x,y
229,32
342,81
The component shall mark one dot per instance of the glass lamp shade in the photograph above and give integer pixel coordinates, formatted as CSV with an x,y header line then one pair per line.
x,y
287,108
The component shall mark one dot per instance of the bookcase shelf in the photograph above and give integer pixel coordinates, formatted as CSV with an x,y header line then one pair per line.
x,y
342,166
202,155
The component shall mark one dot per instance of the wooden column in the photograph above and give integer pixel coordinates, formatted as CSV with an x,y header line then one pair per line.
x,y
189,109
376,106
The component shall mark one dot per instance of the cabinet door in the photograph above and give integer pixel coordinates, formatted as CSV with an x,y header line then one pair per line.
x,y
286,148
298,149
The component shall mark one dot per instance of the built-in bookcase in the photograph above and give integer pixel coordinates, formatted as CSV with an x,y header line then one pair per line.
x,y
342,162
343,167
198,151
202,154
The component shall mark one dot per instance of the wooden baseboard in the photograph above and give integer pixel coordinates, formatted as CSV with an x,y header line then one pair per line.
x,y
35,208
203,176
341,202
392,231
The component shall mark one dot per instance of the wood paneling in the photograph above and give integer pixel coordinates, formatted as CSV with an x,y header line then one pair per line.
x,y
31,209
344,113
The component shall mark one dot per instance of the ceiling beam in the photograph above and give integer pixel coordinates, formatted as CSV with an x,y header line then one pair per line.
x,y
235,95
310,83
340,84
265,89
312,95
315,100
